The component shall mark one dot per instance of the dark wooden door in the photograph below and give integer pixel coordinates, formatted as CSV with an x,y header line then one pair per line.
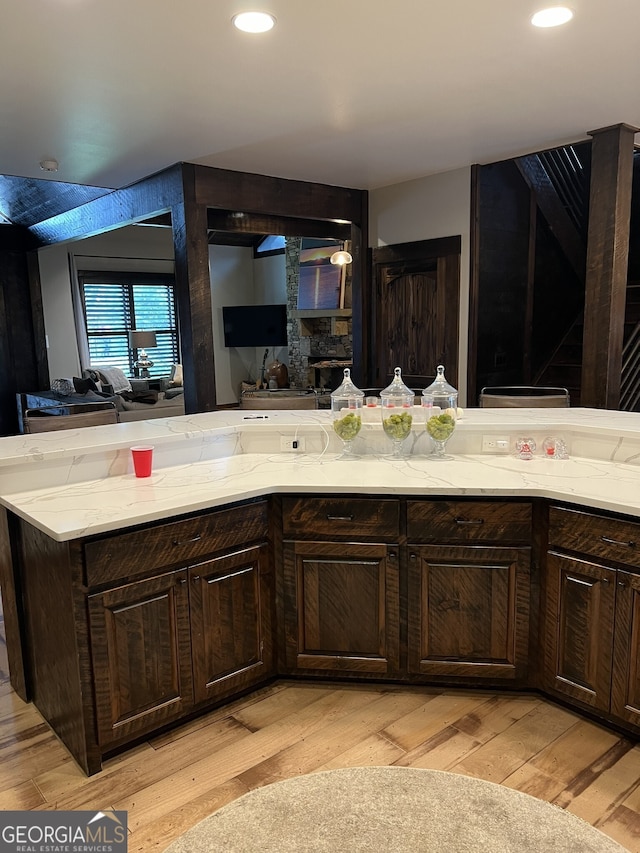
x,y
468,611
231,622
141,653
345,607
579,617
625,695
416,308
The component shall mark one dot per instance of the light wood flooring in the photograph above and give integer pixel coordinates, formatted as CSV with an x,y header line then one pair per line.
x,y
172,781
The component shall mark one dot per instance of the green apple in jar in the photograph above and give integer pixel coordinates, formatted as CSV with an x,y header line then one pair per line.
x,y
348,427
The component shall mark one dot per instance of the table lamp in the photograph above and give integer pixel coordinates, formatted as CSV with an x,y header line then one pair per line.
x,y
140,340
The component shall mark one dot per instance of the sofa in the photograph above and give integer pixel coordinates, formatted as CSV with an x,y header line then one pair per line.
x,y
103,386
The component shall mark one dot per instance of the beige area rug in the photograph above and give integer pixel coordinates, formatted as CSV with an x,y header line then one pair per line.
x,y
391,810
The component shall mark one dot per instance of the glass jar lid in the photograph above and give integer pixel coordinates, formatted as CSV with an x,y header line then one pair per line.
x,y
440,387
347,390
397,389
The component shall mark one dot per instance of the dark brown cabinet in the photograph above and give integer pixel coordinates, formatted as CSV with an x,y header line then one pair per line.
x,y
592,612
141,652
341,598
468,595
231,623
580,604
149,625
162,646
468,612
342,611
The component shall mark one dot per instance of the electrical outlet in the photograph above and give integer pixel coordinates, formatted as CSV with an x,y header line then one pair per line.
x,y
495,444
291,445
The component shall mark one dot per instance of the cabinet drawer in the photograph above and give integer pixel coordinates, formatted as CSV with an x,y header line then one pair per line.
x,y
129,555
468,521
341,517
595,535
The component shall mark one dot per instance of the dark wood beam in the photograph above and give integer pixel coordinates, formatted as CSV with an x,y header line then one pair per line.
x,y
607,259
143,200
246,192
474,287
193,292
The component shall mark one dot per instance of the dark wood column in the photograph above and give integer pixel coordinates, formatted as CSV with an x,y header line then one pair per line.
x,y
193,292
607,258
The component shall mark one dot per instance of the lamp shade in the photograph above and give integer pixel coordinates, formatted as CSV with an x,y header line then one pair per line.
x,y
142,339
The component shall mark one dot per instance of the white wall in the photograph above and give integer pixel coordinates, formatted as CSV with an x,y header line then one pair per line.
x,y
424,209
238,279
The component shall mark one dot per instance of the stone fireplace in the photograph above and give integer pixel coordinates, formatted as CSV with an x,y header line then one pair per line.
x,y
320,342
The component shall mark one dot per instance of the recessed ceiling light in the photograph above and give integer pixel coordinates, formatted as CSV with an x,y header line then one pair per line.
x,y
254,22
554,16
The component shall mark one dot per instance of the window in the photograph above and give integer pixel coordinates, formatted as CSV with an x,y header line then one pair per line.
x,y
116,303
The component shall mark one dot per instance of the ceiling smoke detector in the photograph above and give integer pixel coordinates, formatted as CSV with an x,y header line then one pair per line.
x,y
49,165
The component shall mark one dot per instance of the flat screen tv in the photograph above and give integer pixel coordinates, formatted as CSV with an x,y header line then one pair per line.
x,y
255,325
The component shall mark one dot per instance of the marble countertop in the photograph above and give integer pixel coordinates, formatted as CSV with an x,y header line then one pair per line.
x,y
72,485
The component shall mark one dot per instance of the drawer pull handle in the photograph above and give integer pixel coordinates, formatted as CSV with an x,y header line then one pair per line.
x,y
196,538
339,518
469,520
609,541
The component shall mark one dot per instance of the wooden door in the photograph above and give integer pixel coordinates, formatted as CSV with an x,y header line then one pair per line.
x,y
468,611
231,622
342,607
141,653
579,629
416,311
625,696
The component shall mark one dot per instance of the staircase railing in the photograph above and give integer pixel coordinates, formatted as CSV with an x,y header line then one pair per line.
x,y
567,174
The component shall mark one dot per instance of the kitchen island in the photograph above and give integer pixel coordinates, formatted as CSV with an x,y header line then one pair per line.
x,y
138,603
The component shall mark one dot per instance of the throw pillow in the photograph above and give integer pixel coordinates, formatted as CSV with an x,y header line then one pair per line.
x,y
176,375
116,378
63,387
84,385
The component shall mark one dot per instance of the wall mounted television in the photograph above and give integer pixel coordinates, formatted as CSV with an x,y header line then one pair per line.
x,y
255,325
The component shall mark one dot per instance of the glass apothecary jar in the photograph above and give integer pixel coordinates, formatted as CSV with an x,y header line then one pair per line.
x,y
441,421
346,410
396,402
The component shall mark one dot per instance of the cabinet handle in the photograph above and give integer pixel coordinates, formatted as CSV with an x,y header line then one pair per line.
x,y
196,538
392,555
339,518
182,581
605,581
629,544
623,584
469,520
195,578
413,556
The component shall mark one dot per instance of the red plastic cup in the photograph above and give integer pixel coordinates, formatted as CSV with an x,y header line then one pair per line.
x,y
142,458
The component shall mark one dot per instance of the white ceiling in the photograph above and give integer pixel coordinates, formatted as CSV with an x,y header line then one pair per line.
x,y
359,93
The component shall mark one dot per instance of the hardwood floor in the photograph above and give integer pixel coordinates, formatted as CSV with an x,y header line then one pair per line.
x,y
174,780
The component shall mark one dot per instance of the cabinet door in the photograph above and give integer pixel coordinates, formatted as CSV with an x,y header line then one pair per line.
x,y
625,696
341,607
141,651
468,611
579,629
231,622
